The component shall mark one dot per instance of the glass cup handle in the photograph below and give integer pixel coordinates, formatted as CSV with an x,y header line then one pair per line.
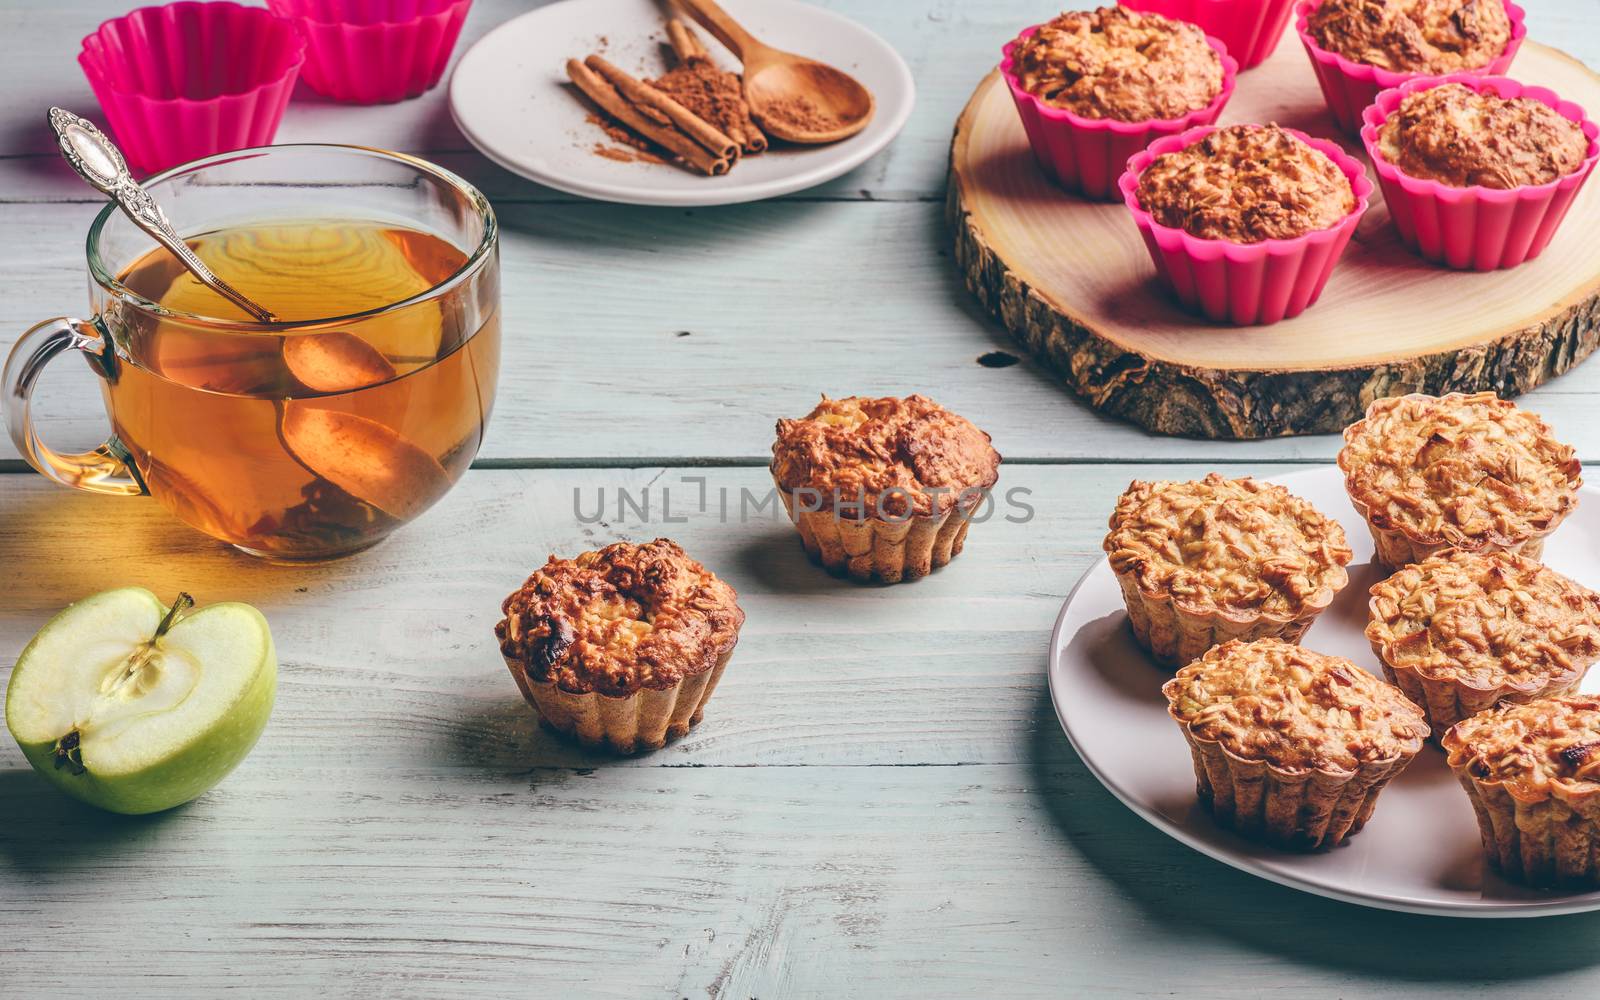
x,y
103,470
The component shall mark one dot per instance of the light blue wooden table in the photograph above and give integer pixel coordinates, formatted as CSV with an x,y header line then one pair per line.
x,y
880,801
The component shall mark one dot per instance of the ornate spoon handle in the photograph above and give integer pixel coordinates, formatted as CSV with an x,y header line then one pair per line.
x,y
97,160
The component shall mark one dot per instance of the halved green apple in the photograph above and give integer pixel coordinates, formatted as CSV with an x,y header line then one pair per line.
x,y
135,707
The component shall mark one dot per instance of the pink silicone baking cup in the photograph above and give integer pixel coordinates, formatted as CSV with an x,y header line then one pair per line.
x,y
375,51
1249,28
1087,154
187,80
1475,227
1348,87
1246,284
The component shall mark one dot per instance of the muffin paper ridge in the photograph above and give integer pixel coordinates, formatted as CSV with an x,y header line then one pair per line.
x,y
1294,810
643,720
1086,154
1245,283
1349,86
867,548
1476,227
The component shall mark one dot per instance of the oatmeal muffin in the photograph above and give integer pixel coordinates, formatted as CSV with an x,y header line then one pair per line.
x,y
1413,36
623,645
1245,184
1202,562
1460,137
882,487
1119,64
1533,774
1461,631
1458,471
1290,746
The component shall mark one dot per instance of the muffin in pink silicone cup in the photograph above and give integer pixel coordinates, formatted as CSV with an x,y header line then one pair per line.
x,y
1095,87
375,51
1249,28
187,80
1478,172
1359,47
1245,223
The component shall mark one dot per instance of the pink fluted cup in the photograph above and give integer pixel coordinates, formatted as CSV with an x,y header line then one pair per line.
x,y
1245,284
1475,227
1086,154
1249,28
375,51
187,80
1348,86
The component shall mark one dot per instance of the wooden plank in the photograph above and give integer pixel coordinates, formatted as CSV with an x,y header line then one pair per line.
x,y
949,45
781,302
405,633
879,800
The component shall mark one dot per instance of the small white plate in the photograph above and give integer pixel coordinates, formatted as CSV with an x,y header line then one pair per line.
x,y
510,98
1420,852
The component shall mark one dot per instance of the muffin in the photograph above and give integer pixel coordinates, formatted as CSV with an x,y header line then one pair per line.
x,y
882,487
1245,184
621,646
1460,137
1478,172
1413,36
1245,223
1119,64
1092,88
1461,631
1470,472
1361,47
1290,746
1203,562
1533,774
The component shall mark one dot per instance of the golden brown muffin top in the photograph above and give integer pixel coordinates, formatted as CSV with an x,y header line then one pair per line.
x,y
1549,747
1120,64
1454,135
1298,711
625,617
1413,36
1246,183
1485,620
1470,471
1237,547
893,456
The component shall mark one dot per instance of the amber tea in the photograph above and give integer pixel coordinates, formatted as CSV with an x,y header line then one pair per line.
x,y
316,439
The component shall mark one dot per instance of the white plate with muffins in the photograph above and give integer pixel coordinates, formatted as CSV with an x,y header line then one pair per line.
x,y
511,97
1310,764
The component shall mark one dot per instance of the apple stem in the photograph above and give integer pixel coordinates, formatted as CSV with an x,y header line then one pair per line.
x,y
179,607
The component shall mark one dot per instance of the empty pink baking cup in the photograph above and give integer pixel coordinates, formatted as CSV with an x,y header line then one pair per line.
x,y
1246,284
1348,87
375,51
1475,227
1087,154
1249,28
187,80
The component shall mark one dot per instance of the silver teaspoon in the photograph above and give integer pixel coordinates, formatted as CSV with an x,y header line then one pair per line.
x,y
98,160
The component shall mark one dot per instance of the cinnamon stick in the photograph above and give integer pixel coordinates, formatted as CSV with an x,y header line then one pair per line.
x,y
668,111
618,107
686,46
683,41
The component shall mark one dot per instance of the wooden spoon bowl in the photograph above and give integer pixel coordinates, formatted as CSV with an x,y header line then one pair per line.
x,y
793,98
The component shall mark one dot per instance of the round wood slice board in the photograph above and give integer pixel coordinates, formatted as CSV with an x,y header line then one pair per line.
x,y
1071,279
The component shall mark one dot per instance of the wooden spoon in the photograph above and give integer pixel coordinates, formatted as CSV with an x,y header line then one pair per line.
x,y
794,98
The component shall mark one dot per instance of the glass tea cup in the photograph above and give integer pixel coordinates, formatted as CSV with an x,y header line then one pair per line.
x,y
316,436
